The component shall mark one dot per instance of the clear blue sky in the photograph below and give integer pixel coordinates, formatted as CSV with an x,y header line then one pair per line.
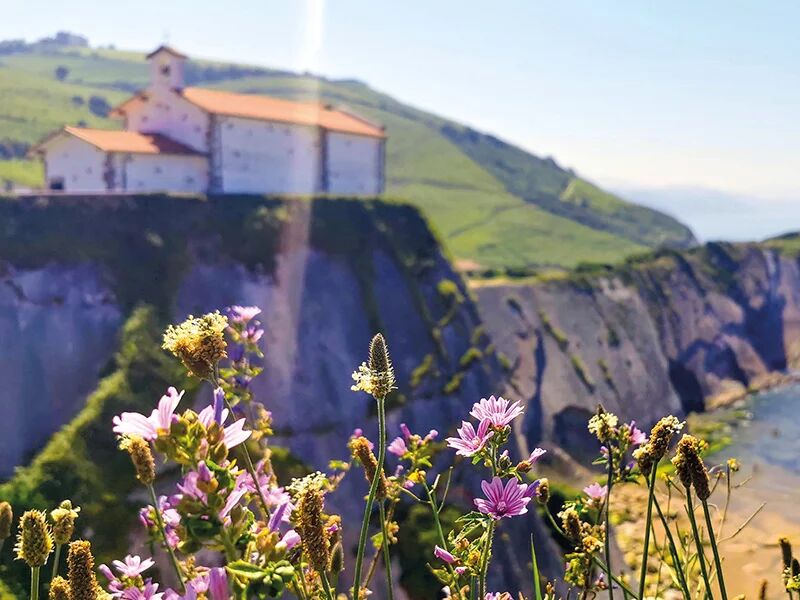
x,y
628,92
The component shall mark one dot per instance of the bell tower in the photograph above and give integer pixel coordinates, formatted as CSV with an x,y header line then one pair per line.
x,y
166,68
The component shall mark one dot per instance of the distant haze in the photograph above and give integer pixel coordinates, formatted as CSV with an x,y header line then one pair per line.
x,y
717,215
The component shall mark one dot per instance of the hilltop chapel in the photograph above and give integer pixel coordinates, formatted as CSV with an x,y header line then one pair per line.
x,y
197,140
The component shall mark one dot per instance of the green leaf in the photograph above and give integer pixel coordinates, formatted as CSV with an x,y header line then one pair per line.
x,y
246,570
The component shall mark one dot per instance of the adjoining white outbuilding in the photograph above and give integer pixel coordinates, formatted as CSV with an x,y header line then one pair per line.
x,y
188,139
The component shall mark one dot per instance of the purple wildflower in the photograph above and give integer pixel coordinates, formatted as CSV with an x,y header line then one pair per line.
x,y
500,502
536,455
398,446
235,352
470,441
405,430
252,334
499,411
444,555
233,434
130,423
290,539
219,405
242,314
595,491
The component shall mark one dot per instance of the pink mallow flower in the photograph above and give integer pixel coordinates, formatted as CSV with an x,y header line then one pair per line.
x,y
133,565
130,423
500,502
470,441
638,437
596,492
398,446
499,411
233,434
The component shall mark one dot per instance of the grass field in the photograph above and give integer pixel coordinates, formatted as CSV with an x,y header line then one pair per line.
x,y
495,205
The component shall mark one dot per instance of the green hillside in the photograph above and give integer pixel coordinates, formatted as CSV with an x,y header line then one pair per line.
x,y
495,205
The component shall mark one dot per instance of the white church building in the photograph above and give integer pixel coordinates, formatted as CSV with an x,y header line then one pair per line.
x,y
197,140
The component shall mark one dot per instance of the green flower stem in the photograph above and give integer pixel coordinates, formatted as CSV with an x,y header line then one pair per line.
x,y
609,484
326,586
473,588
673,549
35,583
163,530
717,561
699,543
437,522
56,556
487,550
248,462
387,559
646,546
373,489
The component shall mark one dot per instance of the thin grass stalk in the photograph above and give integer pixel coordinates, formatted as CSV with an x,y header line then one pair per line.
x,y
387,559
163,530
473,588
56,557
373,489
485,560
699,543
35,583
609,484
674,552
650,495
537,584
715,551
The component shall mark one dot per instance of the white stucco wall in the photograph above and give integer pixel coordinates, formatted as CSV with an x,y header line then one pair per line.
x,y
80,164
159,173
354,164
260,157
168,113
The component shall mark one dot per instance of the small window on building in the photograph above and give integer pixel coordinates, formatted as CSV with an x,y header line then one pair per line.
x,y
165,70
56,184
157,170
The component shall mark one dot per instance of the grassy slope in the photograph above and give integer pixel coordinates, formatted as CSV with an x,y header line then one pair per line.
x,y
484,215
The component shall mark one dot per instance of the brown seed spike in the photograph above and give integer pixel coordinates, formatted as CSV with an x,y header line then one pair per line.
x,y
786,552
59,589
312,530
379,355
6,519
80,567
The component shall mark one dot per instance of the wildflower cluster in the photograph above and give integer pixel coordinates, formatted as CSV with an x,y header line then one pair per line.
x,y
229,529
467,551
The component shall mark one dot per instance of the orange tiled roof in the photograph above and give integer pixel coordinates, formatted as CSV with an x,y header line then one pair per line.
x,y
129,141
266,108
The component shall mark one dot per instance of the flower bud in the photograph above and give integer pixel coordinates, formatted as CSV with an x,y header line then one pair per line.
x,y
64,522
34,542
80,567
543,491
6,519
786,552
690,466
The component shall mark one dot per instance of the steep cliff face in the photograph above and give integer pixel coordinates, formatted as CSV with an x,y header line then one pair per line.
x,y
665,334
327,273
